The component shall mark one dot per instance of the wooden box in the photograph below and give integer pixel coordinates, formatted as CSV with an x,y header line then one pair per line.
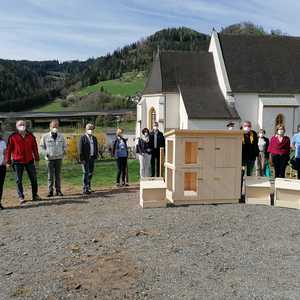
x,y
203,166
287,193
152,193
258,190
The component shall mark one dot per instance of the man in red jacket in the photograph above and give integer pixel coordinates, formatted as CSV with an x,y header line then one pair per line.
x,y
21,153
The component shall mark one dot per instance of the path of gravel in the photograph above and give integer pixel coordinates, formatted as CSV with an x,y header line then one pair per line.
x,y
107,247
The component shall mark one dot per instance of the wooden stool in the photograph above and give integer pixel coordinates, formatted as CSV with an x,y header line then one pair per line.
x,y
152,193
258,190
287,193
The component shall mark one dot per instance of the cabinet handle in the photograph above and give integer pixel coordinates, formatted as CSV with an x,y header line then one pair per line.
x,y
200,148
200,179
217,178
217,148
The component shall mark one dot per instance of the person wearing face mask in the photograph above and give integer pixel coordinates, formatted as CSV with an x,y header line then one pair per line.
x,y
54,146
263,155
2,165
279,149
250,149
22,153
120,152
296,146
88,153
157,141
144,149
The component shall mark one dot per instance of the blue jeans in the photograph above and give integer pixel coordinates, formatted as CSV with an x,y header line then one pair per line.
x,y
87,169
31,171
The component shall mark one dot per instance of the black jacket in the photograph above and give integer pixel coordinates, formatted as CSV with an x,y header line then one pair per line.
x,y
160,140
144,147
84,148
250,146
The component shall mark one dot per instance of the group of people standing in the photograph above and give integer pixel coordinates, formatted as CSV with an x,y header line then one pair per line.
x,y
148,149
259,151
21,153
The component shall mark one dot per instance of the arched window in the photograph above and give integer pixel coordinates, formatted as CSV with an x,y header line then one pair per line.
x,y
151,117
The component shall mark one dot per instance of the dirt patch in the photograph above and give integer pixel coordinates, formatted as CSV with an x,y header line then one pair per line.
x,y
109,276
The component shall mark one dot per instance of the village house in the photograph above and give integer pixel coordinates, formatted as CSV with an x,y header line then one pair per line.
x,y
241,77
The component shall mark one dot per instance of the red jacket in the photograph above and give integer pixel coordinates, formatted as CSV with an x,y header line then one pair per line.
x,y
275,147
22,149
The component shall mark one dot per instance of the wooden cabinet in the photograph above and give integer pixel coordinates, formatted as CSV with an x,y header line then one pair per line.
x,y
203,166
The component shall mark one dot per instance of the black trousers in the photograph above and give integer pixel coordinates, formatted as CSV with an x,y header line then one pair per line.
x,y
31,171
280,162
155,159
2,179
298,167
122,167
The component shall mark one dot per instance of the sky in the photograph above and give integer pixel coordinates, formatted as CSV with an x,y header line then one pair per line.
x,y
81,29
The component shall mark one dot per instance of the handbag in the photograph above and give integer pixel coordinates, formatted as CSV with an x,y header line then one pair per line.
x,y
268,172
293,162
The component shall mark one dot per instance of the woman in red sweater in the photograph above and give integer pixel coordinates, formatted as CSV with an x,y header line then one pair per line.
x,y
279,149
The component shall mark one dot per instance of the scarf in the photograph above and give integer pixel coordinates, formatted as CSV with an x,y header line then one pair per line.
x,y
251,138
145,139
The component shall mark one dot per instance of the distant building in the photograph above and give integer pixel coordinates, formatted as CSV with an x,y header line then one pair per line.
x,y
241,77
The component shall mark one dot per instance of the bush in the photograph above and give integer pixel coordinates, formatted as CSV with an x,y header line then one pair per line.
x,y
73,140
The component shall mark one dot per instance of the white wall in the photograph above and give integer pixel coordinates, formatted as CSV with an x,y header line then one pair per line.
x,y
183,117
207,124
262,110
172,111
247,106
215,49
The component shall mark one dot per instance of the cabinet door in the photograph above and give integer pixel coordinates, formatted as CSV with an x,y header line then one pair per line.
x,y
226,185
206,184
199,151
227,152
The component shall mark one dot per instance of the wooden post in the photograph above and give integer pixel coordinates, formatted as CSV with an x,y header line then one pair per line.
x,y
161,162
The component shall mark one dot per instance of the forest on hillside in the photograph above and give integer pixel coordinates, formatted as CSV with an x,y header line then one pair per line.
x,y
27,84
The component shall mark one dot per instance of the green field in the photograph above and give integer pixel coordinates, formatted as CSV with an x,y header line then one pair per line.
x,y
119,87
104,175
53,106
128,85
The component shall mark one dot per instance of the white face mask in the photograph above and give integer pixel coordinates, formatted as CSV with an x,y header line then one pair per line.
x,y
280,132
21,128
155,128
146,134
246,128
89,131
260,135
54,130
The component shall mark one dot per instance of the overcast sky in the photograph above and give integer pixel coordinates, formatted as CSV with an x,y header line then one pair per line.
x,y
79,29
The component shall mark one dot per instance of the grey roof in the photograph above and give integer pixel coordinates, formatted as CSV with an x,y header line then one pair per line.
x,y
263,64
194,75
61,114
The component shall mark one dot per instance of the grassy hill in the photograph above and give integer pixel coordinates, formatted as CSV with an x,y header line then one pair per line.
x,y
128,85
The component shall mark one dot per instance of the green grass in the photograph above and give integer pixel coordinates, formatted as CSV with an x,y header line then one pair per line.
x,y
104,174
53,106
115,87
128,85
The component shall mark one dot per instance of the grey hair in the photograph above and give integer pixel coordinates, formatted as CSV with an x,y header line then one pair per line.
x,y
89,125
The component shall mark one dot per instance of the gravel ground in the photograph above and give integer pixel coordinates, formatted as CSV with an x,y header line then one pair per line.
x,y
106,247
